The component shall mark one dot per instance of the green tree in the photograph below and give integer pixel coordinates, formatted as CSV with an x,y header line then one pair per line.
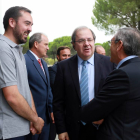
x,y
26,46
58,42
112,14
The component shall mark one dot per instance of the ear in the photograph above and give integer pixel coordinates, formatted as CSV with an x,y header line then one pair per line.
x,y
12,22
120,46
36,44
57,57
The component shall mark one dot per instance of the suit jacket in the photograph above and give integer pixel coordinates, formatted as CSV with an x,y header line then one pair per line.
x,y
118,103
52,73
67,97
39,85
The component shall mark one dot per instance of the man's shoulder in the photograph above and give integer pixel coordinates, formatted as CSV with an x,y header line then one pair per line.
x,y
26,57
102,56
53,68
4,46
105,61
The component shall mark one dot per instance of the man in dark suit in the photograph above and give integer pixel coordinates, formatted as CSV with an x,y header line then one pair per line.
x,y
39,82
119,100
68,90
63,53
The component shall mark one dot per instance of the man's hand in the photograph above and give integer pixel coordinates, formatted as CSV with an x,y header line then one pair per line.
x,y
38,125
99,122
52,117
32,129
63,136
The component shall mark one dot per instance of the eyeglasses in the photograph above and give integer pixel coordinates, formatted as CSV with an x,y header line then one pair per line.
x,y
82,41
109,42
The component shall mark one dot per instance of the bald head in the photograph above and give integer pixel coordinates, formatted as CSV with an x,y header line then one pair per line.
x,y
100,50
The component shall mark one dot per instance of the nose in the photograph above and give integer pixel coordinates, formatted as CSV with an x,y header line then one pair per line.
x,y
86,42
47,47
67,57
29,28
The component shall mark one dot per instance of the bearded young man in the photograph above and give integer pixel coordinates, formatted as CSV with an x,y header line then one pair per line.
x,y
17,108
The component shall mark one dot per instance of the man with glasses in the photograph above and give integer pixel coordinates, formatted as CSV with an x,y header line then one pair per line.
x,y
119,100
78,80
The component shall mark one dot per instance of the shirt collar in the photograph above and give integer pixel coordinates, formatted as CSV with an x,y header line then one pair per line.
x,y
34,55
125,59
9,42
91,60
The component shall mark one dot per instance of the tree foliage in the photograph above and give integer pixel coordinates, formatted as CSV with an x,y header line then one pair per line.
x,y
26,46
113,14
58,42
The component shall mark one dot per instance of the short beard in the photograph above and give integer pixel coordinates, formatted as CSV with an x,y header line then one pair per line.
x,y
18,36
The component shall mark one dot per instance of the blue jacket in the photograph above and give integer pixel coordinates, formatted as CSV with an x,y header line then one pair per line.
x,y
40,86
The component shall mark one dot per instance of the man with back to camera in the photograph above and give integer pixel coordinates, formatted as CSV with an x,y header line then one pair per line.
x,y
119,99
17,108
39,82
70,86
63,53
100,50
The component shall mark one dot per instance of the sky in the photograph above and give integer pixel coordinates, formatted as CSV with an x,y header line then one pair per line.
x,y
57,18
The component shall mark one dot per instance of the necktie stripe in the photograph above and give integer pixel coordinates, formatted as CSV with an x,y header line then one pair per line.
x,y
84,80
84,84
83,87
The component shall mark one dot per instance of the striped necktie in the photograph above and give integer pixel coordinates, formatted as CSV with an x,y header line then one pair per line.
x,y
84,84
39,61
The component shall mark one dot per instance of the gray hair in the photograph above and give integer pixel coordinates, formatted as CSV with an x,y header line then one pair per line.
x,y
33,38
80,28
131,40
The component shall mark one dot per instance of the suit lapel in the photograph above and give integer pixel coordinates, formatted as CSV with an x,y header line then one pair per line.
x,y
73,66
46,70
98,67
37,66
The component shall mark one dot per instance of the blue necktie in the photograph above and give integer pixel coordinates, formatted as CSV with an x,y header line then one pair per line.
x,y
84,84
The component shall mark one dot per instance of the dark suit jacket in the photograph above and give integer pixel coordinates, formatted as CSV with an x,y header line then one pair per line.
x,y
67,97
39,85
118,103
52,73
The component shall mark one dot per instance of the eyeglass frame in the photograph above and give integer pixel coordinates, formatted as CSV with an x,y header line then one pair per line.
x,y
82,41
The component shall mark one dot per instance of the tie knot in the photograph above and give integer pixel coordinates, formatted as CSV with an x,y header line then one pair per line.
x,y
39,61
84,63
